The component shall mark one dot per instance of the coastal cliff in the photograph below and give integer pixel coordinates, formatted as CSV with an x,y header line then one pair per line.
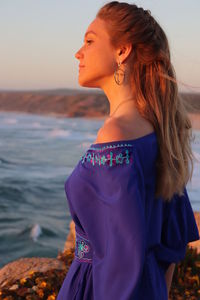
x,y
75,103
59,104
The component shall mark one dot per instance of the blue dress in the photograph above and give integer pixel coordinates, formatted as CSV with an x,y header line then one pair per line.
x,y
125,237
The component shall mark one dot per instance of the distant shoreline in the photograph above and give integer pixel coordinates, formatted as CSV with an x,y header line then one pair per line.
x,y
66,103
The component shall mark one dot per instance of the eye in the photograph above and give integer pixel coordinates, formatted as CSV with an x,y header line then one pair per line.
x,y
88,41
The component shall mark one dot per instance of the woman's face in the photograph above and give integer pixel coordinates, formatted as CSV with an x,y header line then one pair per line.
x,y
97,58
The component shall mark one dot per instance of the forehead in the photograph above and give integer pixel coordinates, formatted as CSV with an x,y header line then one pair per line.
x,y
98,27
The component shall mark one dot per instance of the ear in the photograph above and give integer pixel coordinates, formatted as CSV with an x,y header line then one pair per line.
x,y
123,52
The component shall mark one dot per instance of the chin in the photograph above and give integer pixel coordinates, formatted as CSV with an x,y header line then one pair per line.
x,y
88,83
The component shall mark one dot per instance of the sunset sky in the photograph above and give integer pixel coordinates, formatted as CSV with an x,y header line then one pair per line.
x,y
39,40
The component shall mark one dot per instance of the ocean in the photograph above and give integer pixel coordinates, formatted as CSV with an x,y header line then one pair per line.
x,y
37,153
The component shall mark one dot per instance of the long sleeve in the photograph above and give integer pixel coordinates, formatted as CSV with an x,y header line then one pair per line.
x,y
178,229
116,228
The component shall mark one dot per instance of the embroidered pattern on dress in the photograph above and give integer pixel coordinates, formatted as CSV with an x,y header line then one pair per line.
x,y
110,159
83,250
101,148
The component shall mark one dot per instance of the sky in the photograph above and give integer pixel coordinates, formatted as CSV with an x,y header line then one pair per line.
x,y
39,39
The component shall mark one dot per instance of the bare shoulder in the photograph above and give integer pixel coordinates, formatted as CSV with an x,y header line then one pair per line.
x,y
111,131
121,129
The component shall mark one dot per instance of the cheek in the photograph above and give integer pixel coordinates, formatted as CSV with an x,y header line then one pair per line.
x,y
103,59
108,57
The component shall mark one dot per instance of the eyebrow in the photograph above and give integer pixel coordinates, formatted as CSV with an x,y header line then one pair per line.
x,y
91,31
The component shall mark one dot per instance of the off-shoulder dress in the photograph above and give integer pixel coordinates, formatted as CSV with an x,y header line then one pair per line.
x,y
125,237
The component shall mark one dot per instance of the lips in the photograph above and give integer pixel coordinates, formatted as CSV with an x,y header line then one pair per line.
x,y
81,68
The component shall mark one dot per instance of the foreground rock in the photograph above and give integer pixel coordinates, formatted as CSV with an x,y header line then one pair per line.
x,y
41,278
196,244
34,278
22,268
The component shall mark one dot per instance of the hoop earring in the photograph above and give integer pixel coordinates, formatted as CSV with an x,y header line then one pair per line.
x,y
119,75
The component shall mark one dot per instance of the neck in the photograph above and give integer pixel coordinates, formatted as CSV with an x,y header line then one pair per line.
x,y
116,94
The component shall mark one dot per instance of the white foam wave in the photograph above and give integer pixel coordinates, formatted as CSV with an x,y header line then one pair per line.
x,y
10,121
36,231
74,124
59,133
36,125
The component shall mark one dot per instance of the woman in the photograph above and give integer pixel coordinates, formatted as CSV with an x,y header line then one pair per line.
x,y
127,194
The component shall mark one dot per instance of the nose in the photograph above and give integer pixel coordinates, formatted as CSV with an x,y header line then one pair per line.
x,y
79,54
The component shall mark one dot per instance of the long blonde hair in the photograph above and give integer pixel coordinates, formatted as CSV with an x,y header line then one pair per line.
x,y
157,98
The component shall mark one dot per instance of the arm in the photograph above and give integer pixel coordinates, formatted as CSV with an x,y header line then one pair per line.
x,y
169,276
114,220
179,228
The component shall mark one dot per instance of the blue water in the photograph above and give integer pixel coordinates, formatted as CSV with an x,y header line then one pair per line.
x,y
37,153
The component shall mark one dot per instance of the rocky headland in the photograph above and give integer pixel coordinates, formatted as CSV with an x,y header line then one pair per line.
x,y
75,103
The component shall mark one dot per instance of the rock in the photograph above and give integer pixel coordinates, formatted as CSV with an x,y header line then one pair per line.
x,y
20,268
70,242
196,244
